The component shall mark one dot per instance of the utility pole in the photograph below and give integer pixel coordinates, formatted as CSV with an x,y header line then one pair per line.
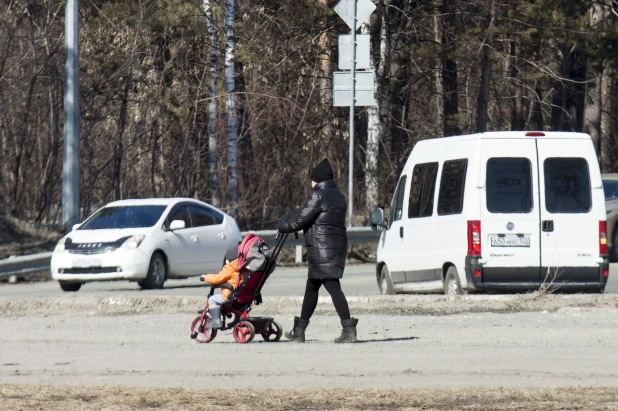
x,y
70,167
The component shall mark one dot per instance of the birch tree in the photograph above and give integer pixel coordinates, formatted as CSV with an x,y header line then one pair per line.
x,y
212,103
230,106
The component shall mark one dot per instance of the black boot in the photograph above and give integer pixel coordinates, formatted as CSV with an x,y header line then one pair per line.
x,y
348,334
298,332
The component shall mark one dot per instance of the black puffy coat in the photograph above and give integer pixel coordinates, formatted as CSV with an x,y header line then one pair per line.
x,y
322,219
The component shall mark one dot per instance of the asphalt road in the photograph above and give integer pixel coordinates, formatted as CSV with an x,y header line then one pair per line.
x,y
570,347
358,280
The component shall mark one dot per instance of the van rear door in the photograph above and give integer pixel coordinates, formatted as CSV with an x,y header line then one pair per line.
x,y
570,210
510,226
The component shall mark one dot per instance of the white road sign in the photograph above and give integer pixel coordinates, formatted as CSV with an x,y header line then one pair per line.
x,y
362,51
342,84
345,10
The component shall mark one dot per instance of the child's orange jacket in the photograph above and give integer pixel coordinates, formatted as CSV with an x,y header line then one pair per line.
x,y
228,274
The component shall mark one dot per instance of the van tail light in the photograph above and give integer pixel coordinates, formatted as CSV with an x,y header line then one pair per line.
x,y
605,272
603,237
535,134
474,238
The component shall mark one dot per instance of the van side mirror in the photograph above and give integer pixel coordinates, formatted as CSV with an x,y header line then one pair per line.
x,y
377,219
177,225
76,226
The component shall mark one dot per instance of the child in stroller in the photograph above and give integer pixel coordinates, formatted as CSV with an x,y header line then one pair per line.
x,y
243,279
228,274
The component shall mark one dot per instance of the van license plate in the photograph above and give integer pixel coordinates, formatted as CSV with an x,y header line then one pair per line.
x,y
510,241
84,263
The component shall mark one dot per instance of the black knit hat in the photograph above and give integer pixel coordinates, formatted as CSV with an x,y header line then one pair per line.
x,y
232,253
322,172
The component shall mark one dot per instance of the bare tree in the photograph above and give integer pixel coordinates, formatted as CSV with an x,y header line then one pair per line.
x,y
449,68
481,108
212,103
232,121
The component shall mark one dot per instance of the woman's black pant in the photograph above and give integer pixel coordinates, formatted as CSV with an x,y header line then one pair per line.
x,y
311,298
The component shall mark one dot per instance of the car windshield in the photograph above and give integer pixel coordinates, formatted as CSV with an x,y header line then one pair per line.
x,y
124,217
610,187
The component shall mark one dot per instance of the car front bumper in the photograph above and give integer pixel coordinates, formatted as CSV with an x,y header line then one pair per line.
x,y
121,264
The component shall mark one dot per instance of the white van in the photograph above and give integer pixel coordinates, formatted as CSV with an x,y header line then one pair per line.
x,y
496,211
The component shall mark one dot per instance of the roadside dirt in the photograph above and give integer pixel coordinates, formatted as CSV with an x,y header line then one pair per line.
x,y
392,305
68,398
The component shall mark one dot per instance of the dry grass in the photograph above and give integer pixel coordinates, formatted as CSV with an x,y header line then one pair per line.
x,y
69,398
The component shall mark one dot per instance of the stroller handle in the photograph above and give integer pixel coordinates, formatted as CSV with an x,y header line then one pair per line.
x,y
280,234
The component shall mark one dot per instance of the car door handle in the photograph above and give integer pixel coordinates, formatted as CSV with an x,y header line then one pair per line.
x,y
401,232
194,238
548,226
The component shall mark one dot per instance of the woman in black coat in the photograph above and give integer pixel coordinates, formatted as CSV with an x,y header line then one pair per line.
x,y
322,219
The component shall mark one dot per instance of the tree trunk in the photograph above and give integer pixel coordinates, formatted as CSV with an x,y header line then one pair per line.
x,y
481,109
535,112
592,111
438,100
232,122
245,145
325,68
449,69
608,84
372,150
212,104
119,148
517,109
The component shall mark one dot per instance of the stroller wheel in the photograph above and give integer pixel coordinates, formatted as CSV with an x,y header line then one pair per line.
x,y
244,332
273,333
201,333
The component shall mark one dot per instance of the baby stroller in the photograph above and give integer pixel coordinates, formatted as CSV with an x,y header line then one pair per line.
x,y
241,299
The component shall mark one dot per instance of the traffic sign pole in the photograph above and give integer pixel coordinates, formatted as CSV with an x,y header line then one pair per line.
x,y
354,13
352,102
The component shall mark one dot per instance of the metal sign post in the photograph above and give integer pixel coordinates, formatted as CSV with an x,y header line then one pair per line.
x,y
354,13
70,167
352,102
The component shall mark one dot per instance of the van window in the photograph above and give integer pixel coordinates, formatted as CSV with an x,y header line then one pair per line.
x,y
422,190
396,211
452,185
567,185
509,185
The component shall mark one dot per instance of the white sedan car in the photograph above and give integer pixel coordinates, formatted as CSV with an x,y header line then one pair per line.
x,y
147,241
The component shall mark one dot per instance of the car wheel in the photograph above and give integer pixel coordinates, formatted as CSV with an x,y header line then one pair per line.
x,y
386,285
70,287
613,252
157,273
452,285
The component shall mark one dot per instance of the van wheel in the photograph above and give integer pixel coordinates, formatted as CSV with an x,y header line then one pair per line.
x,y
386,285
70,287
452,285
157,273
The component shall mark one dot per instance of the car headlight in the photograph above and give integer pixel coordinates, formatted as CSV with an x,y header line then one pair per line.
x,y
133,242
60,245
